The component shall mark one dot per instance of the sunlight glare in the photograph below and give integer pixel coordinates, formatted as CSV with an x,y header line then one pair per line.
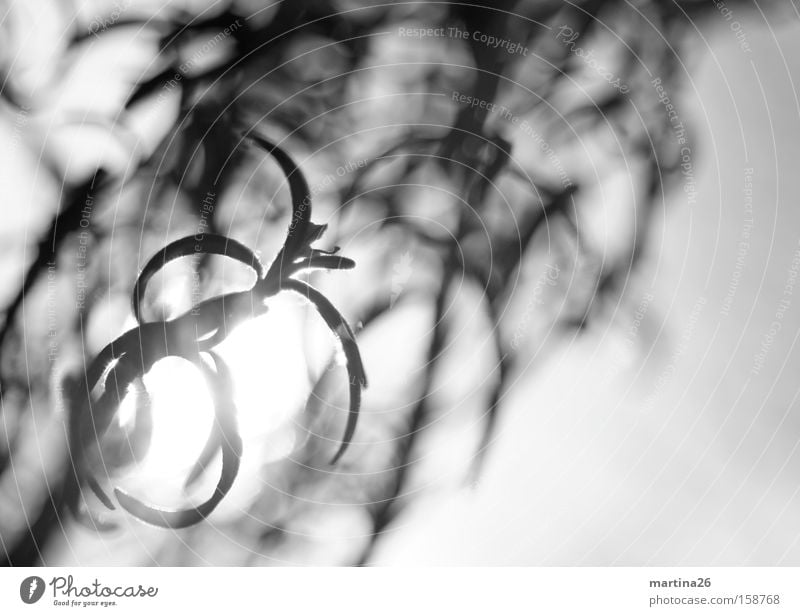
x,y
268,365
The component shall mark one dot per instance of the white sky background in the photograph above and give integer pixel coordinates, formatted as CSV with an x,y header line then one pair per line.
x,y
588,472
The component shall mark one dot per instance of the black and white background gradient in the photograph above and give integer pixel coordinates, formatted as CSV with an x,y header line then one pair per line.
x,y
576,293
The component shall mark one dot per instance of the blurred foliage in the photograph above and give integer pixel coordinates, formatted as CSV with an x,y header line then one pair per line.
x,y
451,209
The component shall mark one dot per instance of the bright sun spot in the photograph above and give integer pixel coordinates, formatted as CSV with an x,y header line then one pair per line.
x,y
268,365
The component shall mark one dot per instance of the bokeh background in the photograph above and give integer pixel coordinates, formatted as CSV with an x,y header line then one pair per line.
x,y
575,295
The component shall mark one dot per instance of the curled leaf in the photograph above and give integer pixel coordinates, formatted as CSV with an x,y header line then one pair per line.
x,y
209,243
330,262
355,368
300,226
97,397
231,443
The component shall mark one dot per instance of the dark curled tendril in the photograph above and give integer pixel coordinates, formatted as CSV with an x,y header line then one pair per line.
x,y
210,449
100,493
192,336
301,230
209,243
357,378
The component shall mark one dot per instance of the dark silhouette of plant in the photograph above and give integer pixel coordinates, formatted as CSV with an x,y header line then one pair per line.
x,y
97,395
